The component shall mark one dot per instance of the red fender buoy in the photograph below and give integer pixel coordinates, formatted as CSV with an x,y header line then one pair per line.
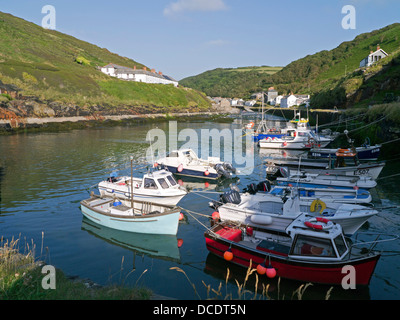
x,y
228,255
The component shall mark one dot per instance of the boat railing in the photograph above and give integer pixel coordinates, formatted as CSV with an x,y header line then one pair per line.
x,y
361,245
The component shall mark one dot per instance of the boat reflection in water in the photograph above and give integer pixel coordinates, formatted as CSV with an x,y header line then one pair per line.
x,y
276,288
193,184
158,246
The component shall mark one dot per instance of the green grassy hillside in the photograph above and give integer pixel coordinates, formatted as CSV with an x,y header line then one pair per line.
x,y
234,82
59,67
330,76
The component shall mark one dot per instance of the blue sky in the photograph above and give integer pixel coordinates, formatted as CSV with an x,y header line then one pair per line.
x,y
186,37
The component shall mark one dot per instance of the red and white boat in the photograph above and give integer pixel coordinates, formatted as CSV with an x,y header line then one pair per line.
x,y
310,249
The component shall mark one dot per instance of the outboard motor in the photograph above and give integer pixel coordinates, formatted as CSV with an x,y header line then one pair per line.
x,y
229,167
264,186
251,188
221,170
231,196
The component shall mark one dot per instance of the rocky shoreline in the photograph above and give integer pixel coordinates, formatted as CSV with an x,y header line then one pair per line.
x,y
30,113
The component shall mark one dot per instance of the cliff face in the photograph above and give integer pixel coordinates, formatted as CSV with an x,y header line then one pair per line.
x,y
35,108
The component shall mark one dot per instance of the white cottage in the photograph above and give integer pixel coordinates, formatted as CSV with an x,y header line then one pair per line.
x,y
373,57
133,74
276,101
288,101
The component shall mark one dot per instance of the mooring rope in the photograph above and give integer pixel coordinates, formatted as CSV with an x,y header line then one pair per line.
x,y
392,175
189,212
390,141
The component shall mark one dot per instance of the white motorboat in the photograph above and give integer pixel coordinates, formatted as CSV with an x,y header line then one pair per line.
x,y
313,180
131,216
299,137
185,162
264,210
345,163
309,194
158,186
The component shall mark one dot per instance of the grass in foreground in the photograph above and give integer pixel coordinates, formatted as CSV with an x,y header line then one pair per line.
x,y
21,279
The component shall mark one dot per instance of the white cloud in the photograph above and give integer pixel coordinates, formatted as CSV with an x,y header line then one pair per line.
x,y
181,6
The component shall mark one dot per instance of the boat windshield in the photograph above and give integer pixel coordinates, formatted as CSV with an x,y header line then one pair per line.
x,y
163,183
173,154
171,180
313,246
340,245
149,184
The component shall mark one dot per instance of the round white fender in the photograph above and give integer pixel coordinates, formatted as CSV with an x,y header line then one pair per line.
x,y
261,219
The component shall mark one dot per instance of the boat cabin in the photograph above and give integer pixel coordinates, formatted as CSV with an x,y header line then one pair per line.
x,y
344,158
317,238
187,154
161,179
158,179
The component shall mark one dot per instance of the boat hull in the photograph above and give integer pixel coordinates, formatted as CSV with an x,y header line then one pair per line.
x,y
192,173
336,184
372,171
261,136
307,271
363,153
163,223
296,143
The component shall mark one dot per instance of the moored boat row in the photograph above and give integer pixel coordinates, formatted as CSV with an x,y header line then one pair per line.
x,y
298,226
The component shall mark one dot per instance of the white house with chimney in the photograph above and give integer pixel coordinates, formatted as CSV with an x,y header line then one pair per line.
x,y
373,57
138,75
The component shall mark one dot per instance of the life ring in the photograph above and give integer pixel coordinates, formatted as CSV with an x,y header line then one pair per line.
x,y
327,224
250,125
317,203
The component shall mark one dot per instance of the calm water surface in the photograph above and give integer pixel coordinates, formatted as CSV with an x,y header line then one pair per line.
x,y
45,176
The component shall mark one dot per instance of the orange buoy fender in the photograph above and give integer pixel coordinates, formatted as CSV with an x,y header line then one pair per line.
x,y
228,255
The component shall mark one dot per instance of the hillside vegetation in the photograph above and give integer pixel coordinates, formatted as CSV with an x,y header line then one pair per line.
x,y
331,77
236,82
54,66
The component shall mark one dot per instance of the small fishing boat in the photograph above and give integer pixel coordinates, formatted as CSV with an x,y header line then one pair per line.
x,y
334,181
364,153
132,216
312,249
185,162
345,163
308,195
158,186
271,211
295,139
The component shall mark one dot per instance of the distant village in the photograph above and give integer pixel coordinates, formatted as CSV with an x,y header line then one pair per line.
x,y
271,97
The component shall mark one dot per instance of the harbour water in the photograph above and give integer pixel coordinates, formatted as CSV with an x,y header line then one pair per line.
x,y
44,176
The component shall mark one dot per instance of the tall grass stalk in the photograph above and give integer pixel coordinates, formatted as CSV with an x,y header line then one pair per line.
x,y
242,291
